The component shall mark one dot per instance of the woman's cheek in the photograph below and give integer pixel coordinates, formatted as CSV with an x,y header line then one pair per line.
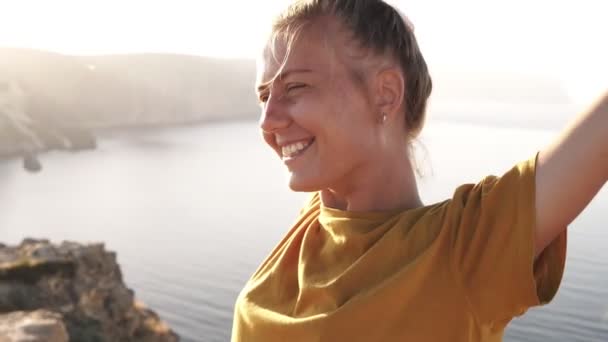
x,y
307,109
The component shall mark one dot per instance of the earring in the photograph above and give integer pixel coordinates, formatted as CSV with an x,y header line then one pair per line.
x,y
383,118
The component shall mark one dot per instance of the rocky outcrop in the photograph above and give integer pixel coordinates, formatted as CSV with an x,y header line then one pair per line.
x,y
35,326
70,292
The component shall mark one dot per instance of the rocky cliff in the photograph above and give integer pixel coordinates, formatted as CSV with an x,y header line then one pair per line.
x,y
131,89
53,101
70,292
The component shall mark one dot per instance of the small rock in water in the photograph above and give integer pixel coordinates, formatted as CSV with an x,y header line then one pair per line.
x,y
31,163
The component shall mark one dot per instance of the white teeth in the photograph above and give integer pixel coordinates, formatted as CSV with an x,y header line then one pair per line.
x,y
292,149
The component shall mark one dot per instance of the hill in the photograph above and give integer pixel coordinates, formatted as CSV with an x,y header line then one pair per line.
x,y
129,89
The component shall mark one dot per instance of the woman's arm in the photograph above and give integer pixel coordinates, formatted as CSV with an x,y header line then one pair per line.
x,y
570,172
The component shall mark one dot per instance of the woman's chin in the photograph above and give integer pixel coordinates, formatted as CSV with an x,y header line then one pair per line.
x,y
301,183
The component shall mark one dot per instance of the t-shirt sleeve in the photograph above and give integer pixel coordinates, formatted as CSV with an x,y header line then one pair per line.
x,y
492,244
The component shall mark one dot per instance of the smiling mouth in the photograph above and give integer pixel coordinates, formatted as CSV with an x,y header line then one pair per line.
x,y
294,150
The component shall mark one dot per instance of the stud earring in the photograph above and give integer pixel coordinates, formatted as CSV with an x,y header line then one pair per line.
x,y
383,118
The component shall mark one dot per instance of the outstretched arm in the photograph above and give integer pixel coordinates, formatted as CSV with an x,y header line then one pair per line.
x,y
570,172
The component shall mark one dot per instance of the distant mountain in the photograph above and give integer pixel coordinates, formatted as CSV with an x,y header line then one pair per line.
x,y
117,90
460,85
499,99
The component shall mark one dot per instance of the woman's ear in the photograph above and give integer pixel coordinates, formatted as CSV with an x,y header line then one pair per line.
x,y
390,89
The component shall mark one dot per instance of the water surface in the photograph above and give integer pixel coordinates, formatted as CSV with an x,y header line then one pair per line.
x,y
193,211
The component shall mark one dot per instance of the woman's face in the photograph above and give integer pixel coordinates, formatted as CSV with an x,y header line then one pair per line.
x,y
316,116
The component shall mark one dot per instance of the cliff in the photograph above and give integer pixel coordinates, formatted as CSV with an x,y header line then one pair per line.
x,y
130,89
53,101
70,292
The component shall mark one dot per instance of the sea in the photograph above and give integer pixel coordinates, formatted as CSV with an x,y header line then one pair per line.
x,y
192,211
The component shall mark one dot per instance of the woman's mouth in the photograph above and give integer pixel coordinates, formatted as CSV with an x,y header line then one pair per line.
x,y
293,150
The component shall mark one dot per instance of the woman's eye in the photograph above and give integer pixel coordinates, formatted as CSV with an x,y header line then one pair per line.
x,y
295,86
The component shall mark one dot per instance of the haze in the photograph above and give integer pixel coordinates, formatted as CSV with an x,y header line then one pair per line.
x,y
561,39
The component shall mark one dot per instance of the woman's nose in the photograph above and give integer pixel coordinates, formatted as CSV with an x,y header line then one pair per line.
x,y
274,115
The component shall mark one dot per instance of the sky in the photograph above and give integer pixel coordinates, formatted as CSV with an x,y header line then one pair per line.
x,y
564,39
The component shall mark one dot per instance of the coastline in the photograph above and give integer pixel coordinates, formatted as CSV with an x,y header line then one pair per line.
x,y
84,137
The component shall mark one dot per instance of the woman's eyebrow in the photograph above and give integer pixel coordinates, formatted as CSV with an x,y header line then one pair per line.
x,y
284,74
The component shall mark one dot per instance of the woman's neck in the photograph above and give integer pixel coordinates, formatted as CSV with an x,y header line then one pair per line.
x,y
382,186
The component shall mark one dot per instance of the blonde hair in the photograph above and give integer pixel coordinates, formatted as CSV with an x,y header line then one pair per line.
x,y
379,27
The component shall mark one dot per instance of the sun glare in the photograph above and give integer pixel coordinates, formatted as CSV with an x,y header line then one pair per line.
x,y
558,38
221,28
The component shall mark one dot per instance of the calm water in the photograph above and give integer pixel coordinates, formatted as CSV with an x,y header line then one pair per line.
x,y
192,211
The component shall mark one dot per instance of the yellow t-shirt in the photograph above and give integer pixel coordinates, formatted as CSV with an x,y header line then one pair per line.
x,y
458,270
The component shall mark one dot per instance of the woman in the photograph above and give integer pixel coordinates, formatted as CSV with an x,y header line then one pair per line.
x,y
343,89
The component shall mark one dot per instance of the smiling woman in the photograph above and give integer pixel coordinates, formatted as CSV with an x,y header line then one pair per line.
x,y
325,88
343,87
